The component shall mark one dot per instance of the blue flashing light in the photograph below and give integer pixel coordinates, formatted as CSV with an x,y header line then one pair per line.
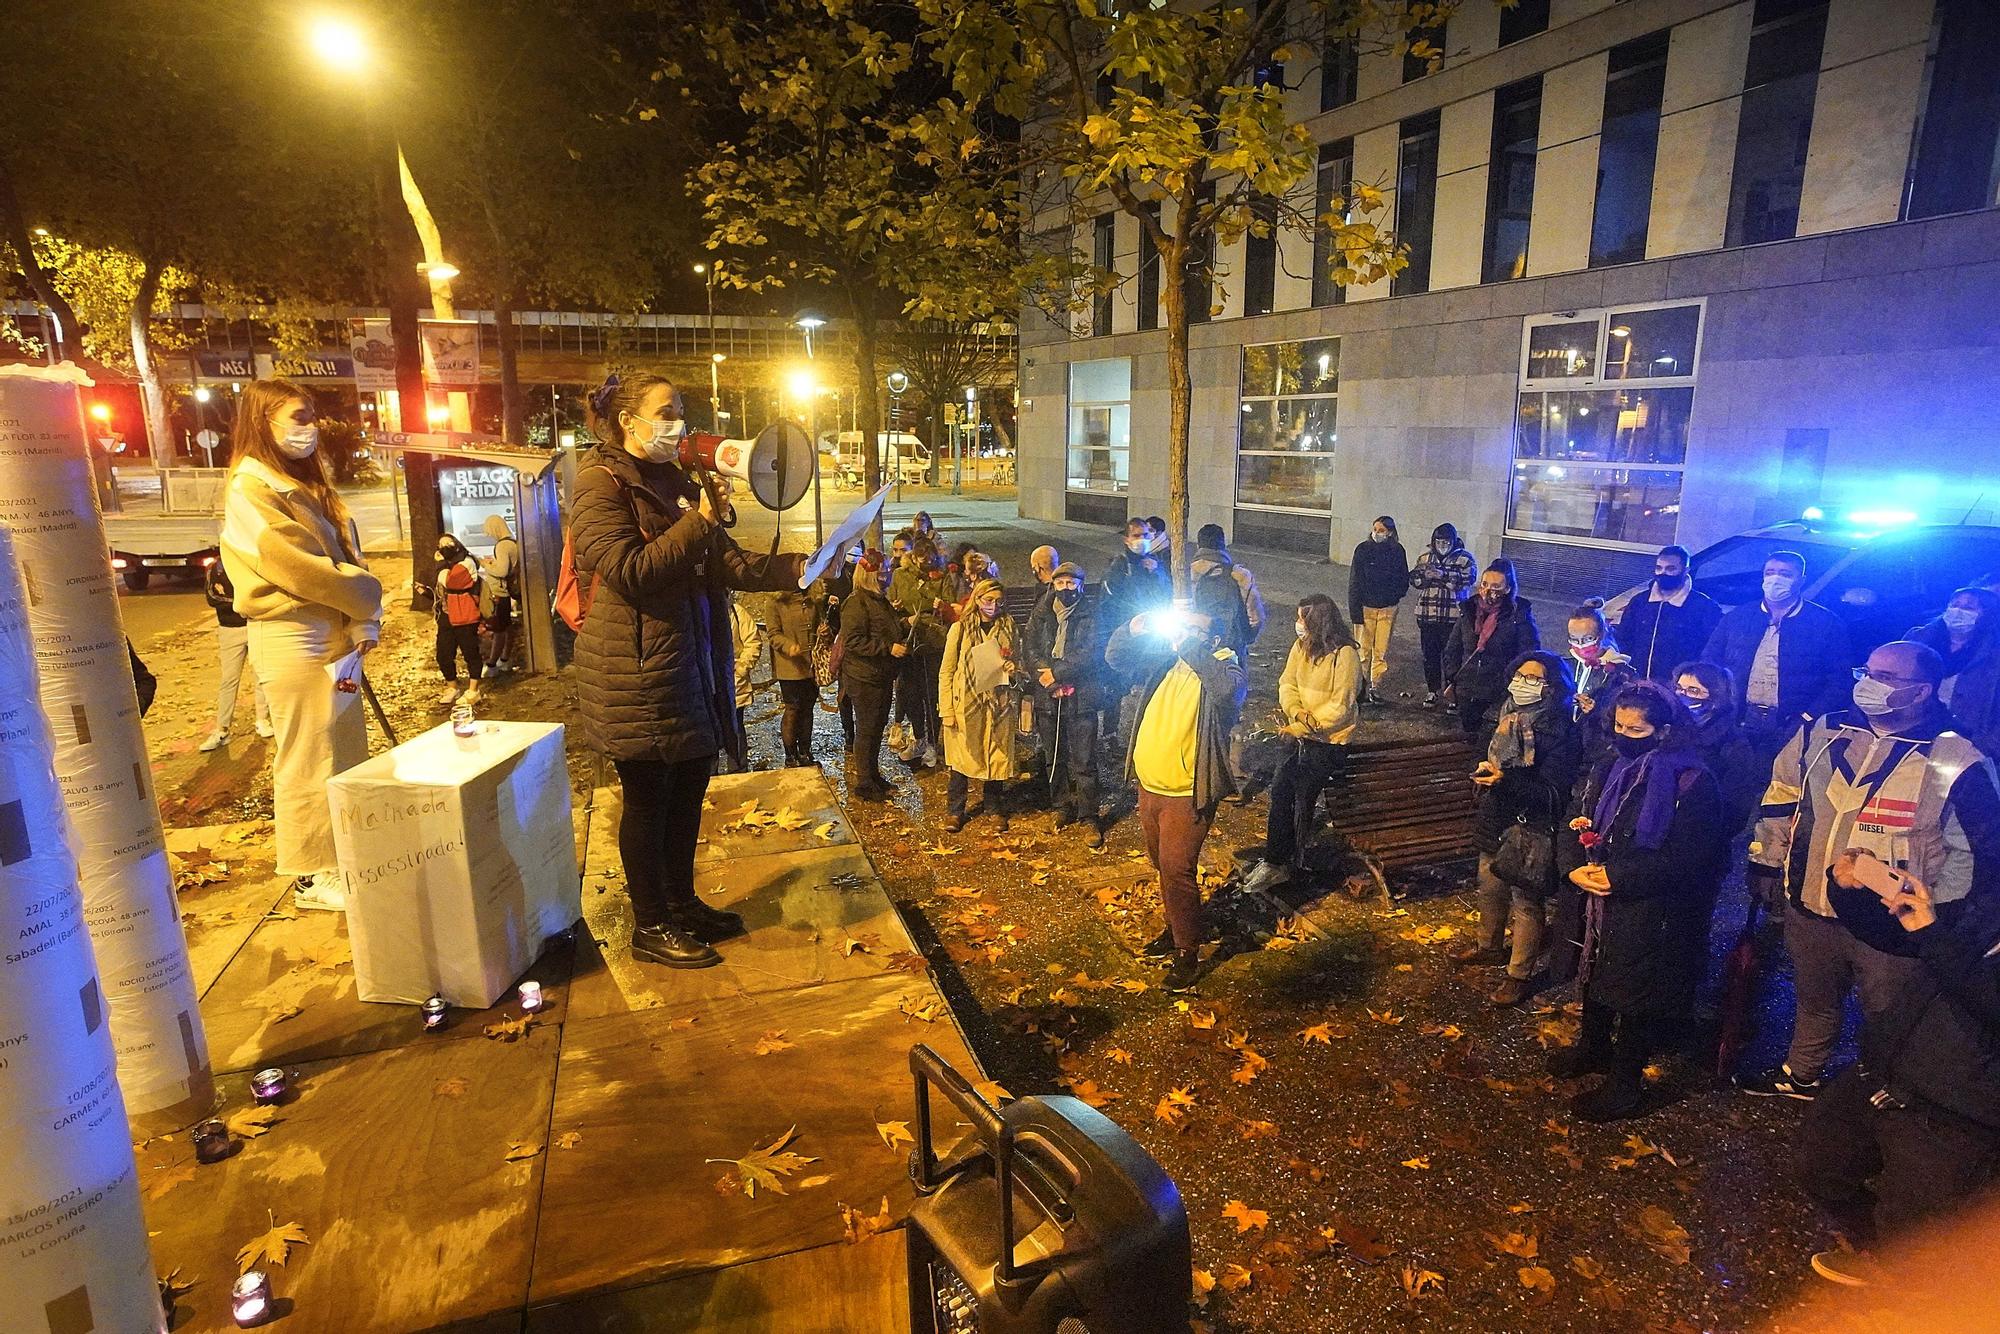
x,y
1878,520
1812,514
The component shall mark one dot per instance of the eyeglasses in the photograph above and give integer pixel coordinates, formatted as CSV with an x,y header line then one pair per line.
x,y
1863,674
1693,698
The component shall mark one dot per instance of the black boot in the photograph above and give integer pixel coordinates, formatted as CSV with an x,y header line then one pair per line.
x,y
1064,818
1181,976
1579,1060
670,947
1622,1094
702,922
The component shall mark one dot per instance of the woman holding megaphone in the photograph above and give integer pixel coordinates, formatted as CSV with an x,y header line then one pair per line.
x,y
655,662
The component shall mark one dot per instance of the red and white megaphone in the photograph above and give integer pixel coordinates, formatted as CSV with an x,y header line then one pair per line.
x,y
778,464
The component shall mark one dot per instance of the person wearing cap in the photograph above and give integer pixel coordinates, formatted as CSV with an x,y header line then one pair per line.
x,y
980,712
1191,689
1066,660
871,649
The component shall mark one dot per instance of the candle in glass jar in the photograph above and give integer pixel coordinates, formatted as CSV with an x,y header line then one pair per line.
x,y
250,1299
211,1142
267,1086
434,1012
531,996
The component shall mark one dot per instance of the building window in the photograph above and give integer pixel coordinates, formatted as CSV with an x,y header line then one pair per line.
x,y
1524,19
1285,432
1601,427
1106,90
1260,257
1416,201
1103,258
1268,70
1775,123
1339,72
1627,149
1510,181
1100,425
1336,173
1426,45
1955,164
1197,280
1149,271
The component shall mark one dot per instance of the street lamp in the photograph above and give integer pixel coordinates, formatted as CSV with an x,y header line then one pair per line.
x,y
808,321
715,360
338,43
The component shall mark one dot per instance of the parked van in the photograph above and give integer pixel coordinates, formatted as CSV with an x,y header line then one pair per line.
x,y
899,451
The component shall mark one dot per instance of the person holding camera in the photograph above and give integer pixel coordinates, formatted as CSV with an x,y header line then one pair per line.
x,y
1913,1130
1889,776
1191,689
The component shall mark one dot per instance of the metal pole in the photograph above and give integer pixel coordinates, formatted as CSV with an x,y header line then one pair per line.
x,y
819,521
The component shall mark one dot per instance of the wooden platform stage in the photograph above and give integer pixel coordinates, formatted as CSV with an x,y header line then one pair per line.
x,y
563,1180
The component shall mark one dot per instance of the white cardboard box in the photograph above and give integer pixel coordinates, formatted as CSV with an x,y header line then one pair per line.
x,y
460,861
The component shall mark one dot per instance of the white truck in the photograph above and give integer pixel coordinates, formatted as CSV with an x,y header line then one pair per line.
x,y
179,540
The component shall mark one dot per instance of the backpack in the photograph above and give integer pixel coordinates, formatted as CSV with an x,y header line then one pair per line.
x,y
459,600
1241,632
573,599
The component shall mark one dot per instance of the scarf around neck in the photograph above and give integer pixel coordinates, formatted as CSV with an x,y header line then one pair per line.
x,y
1656,777
1062,627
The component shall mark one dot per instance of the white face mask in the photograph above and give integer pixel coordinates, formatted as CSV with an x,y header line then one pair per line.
x,y
1877,698
1778,587
1136,545
299,442
663,444
1525,690
1299,629
1377,535
1960,619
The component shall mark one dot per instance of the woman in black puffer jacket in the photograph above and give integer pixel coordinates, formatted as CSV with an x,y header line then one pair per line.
x,y
655,659
1496,625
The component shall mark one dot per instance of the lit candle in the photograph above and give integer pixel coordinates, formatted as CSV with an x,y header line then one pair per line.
x,y
531,996
267,1086
250,1299
211,1142
434,1012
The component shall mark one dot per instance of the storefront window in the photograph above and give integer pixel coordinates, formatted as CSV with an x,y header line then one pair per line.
x,y
1600,462
1287,426
1100,425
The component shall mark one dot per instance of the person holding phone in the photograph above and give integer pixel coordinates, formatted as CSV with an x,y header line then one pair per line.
x,y
293,554
655,665
1913,1130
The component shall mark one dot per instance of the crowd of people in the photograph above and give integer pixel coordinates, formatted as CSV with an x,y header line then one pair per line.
x,y
1620,772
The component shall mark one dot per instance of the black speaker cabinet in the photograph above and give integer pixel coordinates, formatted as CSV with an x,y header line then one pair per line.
x,y
1044,1218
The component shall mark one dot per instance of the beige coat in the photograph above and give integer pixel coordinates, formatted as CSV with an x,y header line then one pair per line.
x,y
283,555
979,729
1326,690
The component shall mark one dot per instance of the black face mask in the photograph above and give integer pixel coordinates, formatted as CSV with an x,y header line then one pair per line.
x,y
1632,747
1670,583
1067,596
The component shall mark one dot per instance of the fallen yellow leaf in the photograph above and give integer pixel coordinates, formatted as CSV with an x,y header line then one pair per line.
x,y
1245,1217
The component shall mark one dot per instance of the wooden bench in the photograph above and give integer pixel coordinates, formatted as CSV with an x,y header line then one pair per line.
x,y
1407,803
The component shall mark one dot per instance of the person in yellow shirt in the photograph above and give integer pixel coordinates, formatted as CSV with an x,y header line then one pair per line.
x,y
1191,689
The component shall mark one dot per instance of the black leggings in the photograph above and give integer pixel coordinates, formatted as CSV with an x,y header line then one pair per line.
x,y
658,831
871,716
795,732
454,641
1433,636
917,696
1305,773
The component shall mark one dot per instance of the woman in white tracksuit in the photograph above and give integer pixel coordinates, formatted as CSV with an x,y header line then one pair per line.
x,y
314,610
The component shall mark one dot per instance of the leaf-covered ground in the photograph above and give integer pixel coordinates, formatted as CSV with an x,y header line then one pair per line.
x,y
1361,1140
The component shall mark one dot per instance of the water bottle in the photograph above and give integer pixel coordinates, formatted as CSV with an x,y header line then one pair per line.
x,y
463,725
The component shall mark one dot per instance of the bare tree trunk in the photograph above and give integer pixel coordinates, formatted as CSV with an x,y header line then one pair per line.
x,y
400,254
152,396
1179,397
868,406
68,343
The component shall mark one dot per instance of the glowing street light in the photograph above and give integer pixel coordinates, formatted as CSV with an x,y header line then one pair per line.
x,y
801,384
438,271
338,43
202,394
101,411
808,321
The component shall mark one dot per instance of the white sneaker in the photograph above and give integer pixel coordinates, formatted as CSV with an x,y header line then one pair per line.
x,y
265,730
449,695
215,741
326,892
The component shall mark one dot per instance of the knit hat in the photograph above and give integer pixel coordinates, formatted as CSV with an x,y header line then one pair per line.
x,y
985,586
1068,567
872,560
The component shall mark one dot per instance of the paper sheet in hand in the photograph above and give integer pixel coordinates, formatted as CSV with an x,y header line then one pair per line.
x,y
843,537
989,666
344,668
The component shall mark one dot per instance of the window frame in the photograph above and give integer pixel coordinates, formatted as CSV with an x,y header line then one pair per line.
x,y
1073,404
1596,382
1243,400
